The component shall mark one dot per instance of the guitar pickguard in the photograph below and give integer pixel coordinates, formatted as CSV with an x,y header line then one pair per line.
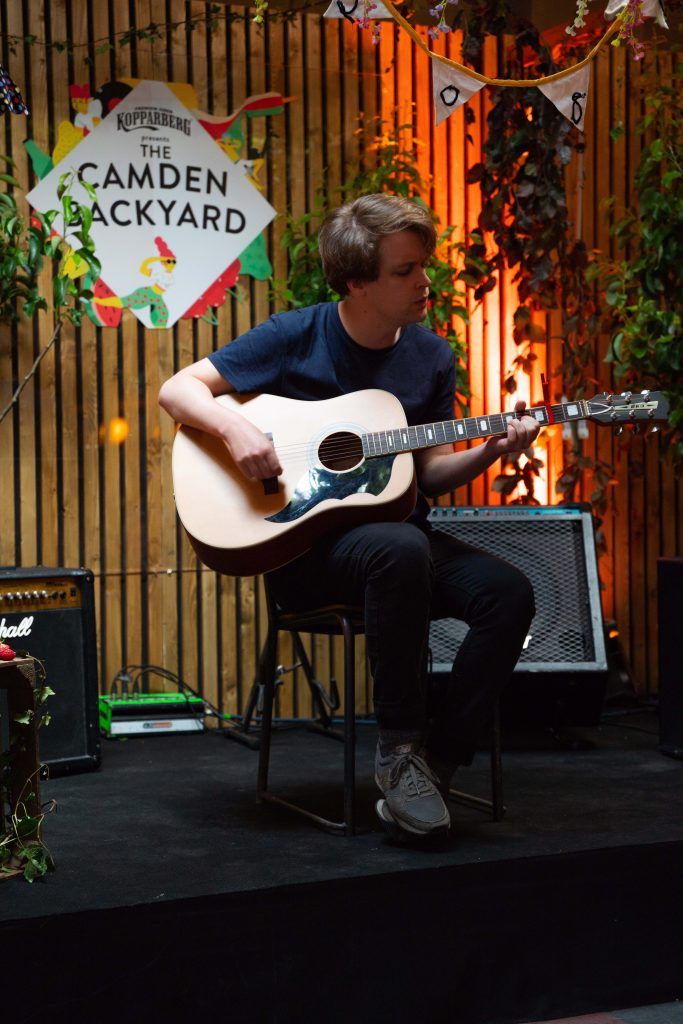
x,y
319,484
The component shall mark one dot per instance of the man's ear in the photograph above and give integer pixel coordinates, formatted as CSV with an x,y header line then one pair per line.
x,y
356,288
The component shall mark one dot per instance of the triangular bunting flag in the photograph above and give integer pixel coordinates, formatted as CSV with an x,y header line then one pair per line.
x,y
570,95
10,97
352,10
451,89
649,9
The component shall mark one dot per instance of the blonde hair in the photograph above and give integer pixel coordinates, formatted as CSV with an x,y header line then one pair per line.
x,y
350,236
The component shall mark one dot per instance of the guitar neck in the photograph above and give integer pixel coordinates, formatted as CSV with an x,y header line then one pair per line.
x,y
428,435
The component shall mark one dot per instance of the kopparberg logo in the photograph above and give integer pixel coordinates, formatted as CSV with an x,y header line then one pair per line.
x,y
152,118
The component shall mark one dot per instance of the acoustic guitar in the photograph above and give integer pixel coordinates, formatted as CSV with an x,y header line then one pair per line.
x,y
345,460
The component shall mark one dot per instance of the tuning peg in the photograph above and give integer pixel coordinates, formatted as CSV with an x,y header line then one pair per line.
x,y
626,395
655,429
645,394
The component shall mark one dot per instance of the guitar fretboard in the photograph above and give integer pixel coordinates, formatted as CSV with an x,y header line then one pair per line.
x,y
427,435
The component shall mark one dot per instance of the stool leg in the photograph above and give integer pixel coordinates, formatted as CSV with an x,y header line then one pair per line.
x,y
268,683
349,728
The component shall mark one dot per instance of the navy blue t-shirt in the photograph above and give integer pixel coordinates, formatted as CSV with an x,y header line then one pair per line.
x,y
307,354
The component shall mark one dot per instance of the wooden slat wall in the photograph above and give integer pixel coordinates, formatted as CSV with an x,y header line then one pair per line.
x,y
68,496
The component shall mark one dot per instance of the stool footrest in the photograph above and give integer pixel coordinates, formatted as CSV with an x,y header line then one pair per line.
x,y
479,802
336,827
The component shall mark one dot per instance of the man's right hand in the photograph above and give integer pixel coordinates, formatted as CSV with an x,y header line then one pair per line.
x,y
189,397
251,450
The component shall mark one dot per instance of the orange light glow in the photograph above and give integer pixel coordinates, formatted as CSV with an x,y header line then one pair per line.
x,y
118,430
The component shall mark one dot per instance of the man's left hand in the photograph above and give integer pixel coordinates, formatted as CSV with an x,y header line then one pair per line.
x,y
521,433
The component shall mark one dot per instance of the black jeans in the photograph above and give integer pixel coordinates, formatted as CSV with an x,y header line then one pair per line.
x,y
404,575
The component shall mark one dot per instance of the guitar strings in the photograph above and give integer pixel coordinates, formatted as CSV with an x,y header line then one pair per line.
x,y
346,446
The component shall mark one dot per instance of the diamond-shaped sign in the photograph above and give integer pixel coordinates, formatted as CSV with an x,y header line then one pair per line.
x,y
172,212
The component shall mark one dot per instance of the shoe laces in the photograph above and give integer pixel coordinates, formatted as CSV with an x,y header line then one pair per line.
x,y
417,777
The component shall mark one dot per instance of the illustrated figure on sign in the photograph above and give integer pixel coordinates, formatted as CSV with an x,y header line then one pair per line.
x,y
160,270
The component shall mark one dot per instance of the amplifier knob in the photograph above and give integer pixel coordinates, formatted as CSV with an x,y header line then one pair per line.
x,y
27,595
35,594
43,593
54,595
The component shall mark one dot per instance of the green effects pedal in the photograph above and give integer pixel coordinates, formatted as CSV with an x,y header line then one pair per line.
x,y
147,714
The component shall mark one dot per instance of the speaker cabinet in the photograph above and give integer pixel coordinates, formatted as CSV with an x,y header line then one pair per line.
x,y
50,613
670,619
561,675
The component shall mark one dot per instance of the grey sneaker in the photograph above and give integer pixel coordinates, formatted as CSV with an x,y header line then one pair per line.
x,y
411,797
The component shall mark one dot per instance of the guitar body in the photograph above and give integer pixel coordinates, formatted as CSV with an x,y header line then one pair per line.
x,y
238,529
242,527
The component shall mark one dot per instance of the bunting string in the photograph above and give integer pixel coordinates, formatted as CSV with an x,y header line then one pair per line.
x,y
503,82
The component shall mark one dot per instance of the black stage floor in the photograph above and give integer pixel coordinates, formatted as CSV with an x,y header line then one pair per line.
x,y
175,894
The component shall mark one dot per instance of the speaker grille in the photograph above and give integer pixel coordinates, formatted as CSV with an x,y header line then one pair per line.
x,y
551,550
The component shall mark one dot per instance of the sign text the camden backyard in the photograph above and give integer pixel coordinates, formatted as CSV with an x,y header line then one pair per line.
x,y
172,212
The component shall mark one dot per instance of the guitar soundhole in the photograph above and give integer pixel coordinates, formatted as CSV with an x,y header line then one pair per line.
x,y
341,450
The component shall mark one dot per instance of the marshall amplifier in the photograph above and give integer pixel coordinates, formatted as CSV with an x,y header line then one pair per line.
x,y
50,613
560,678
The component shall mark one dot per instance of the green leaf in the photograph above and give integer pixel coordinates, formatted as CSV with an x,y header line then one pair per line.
x,y
59,290
63,184
26,825
91,191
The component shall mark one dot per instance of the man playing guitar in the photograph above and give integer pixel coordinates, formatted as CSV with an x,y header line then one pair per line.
x,y
374,252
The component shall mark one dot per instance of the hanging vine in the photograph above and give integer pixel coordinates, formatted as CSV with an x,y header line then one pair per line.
x,y
526,223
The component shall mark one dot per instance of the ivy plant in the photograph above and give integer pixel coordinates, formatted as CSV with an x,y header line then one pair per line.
x,y
60,239
644,284
22,848
525,218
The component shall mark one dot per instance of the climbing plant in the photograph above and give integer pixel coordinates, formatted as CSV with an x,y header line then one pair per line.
x,y
527,225
59,240
644,282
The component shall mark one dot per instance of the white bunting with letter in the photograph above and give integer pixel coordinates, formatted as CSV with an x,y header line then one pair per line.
x,y
648,9
451,89
354,9
570,95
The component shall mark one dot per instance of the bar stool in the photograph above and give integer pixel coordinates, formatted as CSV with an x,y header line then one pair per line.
x,y
347,621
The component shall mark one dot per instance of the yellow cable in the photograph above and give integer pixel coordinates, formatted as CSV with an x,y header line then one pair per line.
x,y
505,82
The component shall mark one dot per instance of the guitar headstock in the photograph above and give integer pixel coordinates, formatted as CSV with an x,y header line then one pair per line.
x,y
628,407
